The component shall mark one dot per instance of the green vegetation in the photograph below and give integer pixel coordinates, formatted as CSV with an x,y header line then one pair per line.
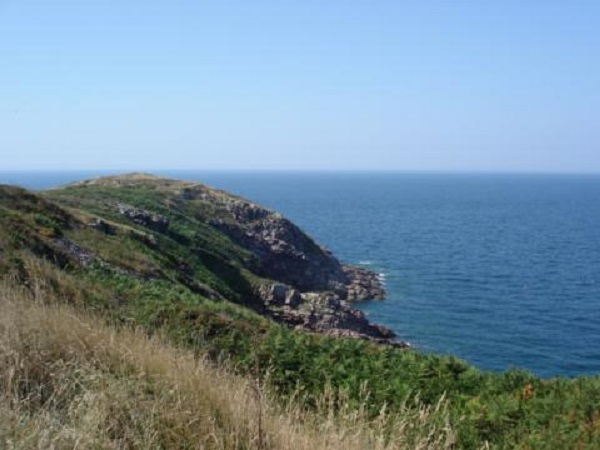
x,y
67,380
193,287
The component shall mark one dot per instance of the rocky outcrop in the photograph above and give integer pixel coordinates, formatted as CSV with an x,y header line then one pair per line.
x,y
74,252
287,254
103,226
284,252
313,289
322,312
144,218
362,284
278,294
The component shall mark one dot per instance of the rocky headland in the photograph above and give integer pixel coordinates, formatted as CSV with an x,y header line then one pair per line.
x,y
313,289
264,260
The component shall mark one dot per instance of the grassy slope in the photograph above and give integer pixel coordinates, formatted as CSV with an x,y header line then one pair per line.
x,y
67,380
149,289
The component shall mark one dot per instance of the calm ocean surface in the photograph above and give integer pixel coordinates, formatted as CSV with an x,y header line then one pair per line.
x,y
501,270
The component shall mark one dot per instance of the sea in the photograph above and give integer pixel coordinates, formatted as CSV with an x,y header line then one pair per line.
x,y
501,270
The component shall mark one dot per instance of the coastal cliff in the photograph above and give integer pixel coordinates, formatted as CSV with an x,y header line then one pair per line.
x,y
219,245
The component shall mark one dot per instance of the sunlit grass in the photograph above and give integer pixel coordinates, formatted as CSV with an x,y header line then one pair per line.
x,y
67,380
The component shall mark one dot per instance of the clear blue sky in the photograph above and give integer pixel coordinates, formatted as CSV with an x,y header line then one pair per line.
x,y
312,84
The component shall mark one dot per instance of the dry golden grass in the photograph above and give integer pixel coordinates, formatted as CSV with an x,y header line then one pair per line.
x,y
68,381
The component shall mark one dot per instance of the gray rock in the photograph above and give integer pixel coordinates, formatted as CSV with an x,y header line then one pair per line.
x,y
75,252
103,226
144,218
321,312
293,298
275,294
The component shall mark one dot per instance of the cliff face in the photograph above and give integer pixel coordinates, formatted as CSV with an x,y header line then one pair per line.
x,y
221,246
312,285
284,252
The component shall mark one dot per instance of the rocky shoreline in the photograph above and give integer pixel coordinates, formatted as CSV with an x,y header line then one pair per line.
x,y
362,284
324,313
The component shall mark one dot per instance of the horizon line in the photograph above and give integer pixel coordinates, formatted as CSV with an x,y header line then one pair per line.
x,y
306,170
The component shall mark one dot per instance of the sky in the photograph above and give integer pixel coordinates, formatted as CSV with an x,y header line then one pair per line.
x,y
300,85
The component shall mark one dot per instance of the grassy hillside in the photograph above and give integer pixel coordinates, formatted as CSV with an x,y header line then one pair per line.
x,y
67,380
192,286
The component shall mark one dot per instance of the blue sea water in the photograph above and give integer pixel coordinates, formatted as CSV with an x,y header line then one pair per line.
x,y
500,270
